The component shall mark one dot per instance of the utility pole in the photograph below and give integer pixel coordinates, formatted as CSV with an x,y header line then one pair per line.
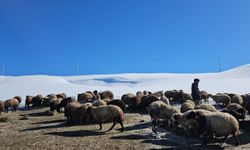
x,y
219,65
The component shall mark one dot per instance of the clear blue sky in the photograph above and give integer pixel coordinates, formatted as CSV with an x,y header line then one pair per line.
x,y
178,36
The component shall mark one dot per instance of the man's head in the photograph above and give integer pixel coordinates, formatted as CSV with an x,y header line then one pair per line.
x,y
196,80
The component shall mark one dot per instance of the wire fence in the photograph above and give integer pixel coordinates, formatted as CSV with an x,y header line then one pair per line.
x,y
126,65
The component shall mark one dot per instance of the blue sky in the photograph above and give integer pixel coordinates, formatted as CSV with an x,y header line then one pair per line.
x,y
177,36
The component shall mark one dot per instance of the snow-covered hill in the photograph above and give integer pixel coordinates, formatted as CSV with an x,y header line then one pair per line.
x,y
236,80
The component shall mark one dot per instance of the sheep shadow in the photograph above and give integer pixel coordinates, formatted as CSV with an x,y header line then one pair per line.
x,y
51,121
47,126
77,133
40,114
137,126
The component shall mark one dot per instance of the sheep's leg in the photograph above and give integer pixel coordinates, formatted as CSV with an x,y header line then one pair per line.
x,y
224,140
153,128
114,123
237,139
100,124
122,126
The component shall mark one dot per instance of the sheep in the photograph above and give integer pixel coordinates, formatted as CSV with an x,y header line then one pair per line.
x,y
106,94
217,123
37,101
158,94
28,101
14,103
98,103
45,101
1,106
106,114
53,104
64,102
118,103
165,100
19,98
131,100
160,110
84,97
236,110
208,107
61,95
70,110
246,99
169,94
147,100
190,126
188,105
204,96
80,114
221,98
237,99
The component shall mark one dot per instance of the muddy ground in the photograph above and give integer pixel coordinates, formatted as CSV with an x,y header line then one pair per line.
x,y
34,129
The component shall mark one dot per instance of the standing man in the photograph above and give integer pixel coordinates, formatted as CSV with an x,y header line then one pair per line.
x,y
196,95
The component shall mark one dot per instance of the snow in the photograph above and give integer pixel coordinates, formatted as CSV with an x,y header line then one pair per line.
x,y
236,80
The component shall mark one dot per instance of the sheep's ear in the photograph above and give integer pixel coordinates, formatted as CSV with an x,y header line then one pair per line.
x,y
191,115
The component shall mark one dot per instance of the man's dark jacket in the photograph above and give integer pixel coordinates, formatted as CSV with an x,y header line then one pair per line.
x,y
195,92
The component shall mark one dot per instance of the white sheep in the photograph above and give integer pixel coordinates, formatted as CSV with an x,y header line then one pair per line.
x,y
221,98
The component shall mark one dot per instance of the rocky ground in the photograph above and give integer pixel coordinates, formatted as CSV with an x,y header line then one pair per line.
x,y
35,129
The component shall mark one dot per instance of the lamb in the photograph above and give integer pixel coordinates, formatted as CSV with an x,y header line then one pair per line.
x,y
188,105
106,94
218,124
1,106
107,114
221,98
98,103
160,110
208,107
236,110
118,103
237,99
14,103
70,110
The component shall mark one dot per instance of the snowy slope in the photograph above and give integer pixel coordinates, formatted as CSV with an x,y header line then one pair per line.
x,y
236,80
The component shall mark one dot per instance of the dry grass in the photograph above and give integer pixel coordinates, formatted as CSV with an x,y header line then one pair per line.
x,y
37,129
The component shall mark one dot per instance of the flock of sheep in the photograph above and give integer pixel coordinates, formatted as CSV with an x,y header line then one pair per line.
x,y
194,118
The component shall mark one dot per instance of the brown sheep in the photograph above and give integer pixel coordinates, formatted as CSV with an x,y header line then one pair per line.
x,y
64,102
237,99
84,97
61,95
204,96
14,103
107,94
147,100
70,110
188,105
118,103
98,103
106,114
19,98
28,101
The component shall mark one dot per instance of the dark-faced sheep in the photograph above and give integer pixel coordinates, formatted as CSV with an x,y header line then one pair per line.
x,y
218,124
107,114
53,104
147,100
14,103
37,101
236,110
61,95
160,110
19,98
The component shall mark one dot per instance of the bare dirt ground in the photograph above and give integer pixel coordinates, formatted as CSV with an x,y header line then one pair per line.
x,y
34,129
